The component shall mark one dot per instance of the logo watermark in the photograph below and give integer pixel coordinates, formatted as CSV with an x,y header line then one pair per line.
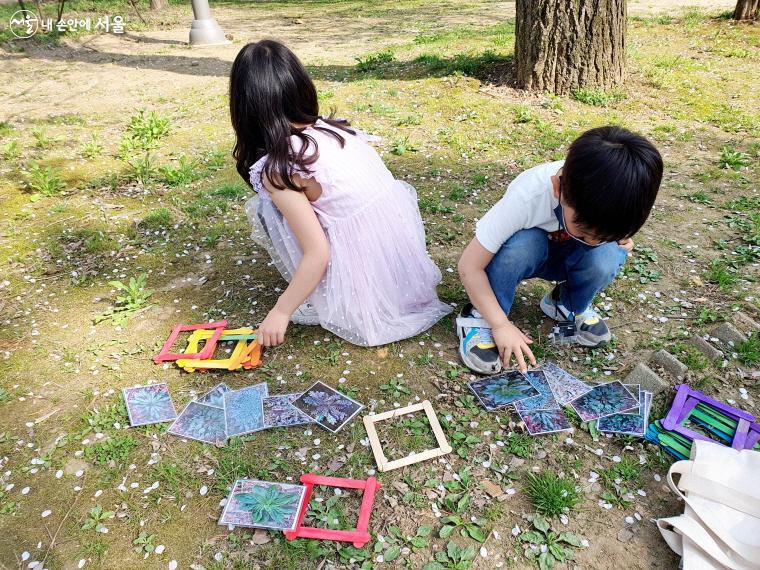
x,y
25,23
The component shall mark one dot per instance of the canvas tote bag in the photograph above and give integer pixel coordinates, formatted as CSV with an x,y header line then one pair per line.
x,y
720,526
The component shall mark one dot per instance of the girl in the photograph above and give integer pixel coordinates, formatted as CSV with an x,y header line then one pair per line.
x,y
341,230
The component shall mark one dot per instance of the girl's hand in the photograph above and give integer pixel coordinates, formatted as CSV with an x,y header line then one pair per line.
x,y
512,341
626,244
273,327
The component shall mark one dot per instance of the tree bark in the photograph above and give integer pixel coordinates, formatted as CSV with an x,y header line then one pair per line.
x,y
159,4
747,9
563,45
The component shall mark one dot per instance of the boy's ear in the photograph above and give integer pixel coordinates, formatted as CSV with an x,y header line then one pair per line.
x,y
555,185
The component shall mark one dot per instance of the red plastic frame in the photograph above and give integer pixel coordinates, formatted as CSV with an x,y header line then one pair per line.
x,y
165,356
359,536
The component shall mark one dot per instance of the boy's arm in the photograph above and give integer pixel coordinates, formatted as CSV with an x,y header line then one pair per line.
x,y
509,339
472,271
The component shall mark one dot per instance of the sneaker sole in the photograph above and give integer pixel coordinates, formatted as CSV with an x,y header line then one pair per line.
x,y
550,311
304,320
495,369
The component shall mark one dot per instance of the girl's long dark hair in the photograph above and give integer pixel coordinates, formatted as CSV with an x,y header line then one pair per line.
x,y
269,91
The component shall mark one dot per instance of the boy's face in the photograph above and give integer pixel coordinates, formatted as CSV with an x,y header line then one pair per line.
x,y
575,230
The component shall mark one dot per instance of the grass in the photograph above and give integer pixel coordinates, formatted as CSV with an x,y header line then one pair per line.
x,y
749,350
451,125
551,494
597,98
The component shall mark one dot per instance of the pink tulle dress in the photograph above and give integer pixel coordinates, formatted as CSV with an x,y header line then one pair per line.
x,y
380,284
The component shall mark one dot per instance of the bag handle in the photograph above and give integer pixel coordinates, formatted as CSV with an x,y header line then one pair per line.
x,y
687,529
708,489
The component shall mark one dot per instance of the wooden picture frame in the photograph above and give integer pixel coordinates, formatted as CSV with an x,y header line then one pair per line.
x,y
243,352
165,355
377,449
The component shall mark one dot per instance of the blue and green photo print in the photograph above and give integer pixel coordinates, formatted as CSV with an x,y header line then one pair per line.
x,y
149,404
261,504
244,409
604,400
503,389
200,422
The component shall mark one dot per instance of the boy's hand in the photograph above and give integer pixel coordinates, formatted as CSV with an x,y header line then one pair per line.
x,y
272,329
626,244
512,341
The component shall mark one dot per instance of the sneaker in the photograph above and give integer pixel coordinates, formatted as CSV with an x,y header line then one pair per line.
x,y
476,346
591,330
305,314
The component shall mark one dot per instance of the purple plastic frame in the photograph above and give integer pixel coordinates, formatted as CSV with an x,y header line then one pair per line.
x,y
747,432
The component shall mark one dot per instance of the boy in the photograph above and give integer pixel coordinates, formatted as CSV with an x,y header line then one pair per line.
x,y
568,221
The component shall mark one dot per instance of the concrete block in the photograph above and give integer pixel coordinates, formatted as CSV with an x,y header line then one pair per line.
x,y
670,364
705,347
745,323
728,334
646,378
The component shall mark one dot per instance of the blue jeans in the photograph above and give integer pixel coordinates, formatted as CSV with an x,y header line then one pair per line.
x,y
529,253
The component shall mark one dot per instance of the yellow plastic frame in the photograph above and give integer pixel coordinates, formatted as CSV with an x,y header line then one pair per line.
x,y
241,353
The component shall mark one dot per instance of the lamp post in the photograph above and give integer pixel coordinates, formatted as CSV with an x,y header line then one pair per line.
x,y
205,30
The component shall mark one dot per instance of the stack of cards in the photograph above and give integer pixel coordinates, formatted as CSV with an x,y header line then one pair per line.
x,y
633,422
262,504
531,395
222,413
539,395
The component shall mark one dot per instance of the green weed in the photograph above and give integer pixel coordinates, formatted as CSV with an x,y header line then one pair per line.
x,y
44,181
732,159
550,494
545,547
133,298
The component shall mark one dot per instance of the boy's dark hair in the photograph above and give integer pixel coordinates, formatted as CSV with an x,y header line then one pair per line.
x,y
610,178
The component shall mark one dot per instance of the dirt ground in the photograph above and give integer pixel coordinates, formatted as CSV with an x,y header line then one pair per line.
x,y
452,125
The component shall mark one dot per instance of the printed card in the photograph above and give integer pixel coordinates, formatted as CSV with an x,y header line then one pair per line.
x,y
261,504
149,404
564,385
244,409
503,389
545,421
279,411
201,423
544,401
604,400
329,408
215,396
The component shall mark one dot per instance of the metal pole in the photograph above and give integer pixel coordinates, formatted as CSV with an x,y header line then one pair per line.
x,y
205,30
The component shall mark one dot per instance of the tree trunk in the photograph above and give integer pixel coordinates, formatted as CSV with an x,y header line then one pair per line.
x,y
746,9
159,4
563,45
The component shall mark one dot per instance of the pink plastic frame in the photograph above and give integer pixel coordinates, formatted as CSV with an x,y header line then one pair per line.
x,y
359,536
165,356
